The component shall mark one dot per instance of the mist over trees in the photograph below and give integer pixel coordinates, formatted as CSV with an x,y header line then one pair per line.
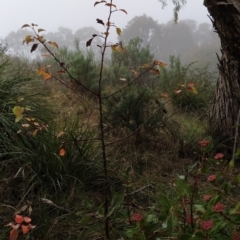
x,y
191,41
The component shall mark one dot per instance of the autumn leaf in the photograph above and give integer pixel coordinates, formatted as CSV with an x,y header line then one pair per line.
x,y
25,25
27,219
164,95
134,73
118,30
106,33
60,134
89,42
34,132
28,39
26,125
115,48
62,151
18,112
100,21
46,55
110,4
25,229
34,47
53,44
160,64
177,91
13,234
123,10
41,30
18,219
98,3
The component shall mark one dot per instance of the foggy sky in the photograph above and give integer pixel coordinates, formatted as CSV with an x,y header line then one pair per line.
x,y
75,14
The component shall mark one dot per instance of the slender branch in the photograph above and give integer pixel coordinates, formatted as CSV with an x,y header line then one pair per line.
x,y
141,74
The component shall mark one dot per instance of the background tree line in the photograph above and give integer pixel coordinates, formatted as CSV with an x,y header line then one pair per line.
x,y
189,40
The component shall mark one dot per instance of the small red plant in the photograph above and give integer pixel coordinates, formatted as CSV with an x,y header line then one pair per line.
x,y
137,217
218,207
219,156
206,225
20,222
211,178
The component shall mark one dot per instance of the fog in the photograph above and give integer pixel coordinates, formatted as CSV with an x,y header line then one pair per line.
x,y
75,14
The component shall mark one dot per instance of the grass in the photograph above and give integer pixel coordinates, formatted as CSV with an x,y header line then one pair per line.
x,y
63,194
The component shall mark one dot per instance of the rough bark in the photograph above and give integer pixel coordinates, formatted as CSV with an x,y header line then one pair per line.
x,y
225,15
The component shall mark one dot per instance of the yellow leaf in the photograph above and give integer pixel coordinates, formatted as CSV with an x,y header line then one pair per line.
x,y
192,89
60,134
53,44
106,33
115,48
118,30
28,39
41,30
62,151
18,112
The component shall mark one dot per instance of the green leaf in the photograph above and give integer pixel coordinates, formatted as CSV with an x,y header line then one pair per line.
x,y
170,223
117,201
164,202
231,165
199,208
185,236
151,218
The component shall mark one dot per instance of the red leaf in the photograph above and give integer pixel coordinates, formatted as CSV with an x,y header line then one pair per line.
x,y
25,229
27,219
13,234
18,219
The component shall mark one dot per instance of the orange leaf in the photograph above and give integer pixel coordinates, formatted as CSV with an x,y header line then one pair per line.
x,y
27,219
18,219
46,75
159,63
62,152
164,95
25,229
134,73
13,234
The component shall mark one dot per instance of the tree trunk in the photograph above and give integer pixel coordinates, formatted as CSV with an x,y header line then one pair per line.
x,y
225,108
